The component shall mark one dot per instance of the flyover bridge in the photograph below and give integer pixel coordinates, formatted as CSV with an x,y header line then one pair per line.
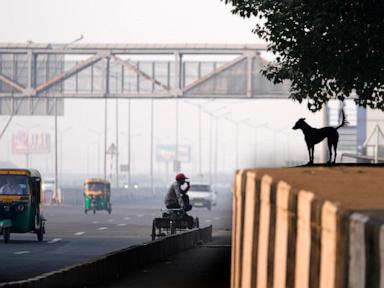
x,y
36,77
32,74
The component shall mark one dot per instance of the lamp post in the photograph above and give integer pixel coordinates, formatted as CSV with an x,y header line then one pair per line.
x,y
130,163
88,152
61,151
236,124
213,166
200,109
276,131
255,136
98,133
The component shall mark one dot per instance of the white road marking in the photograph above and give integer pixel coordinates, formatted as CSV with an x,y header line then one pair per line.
x,y
101,228
122,224
95,222
217,218
139,215
208,220
127,218
111,220
21,252
79,233
54,240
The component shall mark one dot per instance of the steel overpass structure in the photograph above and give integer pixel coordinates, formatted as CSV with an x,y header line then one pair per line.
x,y
33,76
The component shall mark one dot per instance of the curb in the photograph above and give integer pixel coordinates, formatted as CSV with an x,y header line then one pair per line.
x,y
114,265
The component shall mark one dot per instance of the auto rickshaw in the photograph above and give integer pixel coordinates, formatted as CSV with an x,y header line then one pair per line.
x,y
20,203
97,195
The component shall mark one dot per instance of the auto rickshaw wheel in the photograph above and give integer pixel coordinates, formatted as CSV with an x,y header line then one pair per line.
x,y
94,210
109,210
85,211
6,234
40,234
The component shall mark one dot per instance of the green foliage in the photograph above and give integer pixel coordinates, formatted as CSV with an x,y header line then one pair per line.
x,y
327,48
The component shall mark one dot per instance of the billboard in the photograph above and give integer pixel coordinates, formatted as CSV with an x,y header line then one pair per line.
x,y
167,153
25,142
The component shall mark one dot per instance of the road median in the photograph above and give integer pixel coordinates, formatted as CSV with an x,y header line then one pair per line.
x,y
117,264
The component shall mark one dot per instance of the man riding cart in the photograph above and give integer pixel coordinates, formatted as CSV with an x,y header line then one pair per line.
x,y
177,203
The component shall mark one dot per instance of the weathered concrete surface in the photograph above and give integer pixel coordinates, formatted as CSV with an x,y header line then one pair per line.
x,y
316,227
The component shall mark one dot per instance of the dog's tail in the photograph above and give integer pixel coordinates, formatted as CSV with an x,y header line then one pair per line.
x,y
344,121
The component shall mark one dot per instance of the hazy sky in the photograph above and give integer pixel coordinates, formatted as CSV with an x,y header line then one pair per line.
x,y
123,21
146,21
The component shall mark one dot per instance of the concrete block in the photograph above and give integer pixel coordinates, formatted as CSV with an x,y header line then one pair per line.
x,y
264,225
328,245
251,217
237,228
282,232
357,253
315,255
292,238
303,243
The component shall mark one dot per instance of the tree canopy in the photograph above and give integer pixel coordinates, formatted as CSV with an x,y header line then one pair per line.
x,y
328,49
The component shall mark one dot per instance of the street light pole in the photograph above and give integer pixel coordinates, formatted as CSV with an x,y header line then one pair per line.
x,y
105,137
200,143
56,152
151,152
61,152
117,142
129,144
177,138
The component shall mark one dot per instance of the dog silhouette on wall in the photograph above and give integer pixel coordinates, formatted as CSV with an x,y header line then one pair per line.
x,y
314,136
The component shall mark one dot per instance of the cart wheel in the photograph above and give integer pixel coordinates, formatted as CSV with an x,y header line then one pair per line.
x,y
6,234
153,230
173,227
196,222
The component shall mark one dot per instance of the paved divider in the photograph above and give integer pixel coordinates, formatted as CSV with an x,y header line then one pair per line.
x,y
117,264
285,236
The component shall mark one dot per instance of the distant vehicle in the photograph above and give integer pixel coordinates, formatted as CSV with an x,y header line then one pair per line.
x,y
202,195
20,199
50,195
97,195
48,188
134,185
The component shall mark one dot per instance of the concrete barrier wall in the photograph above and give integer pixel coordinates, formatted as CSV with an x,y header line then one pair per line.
x,y
117,264
284,237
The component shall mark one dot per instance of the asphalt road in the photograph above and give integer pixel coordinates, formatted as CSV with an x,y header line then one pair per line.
x,y
73,237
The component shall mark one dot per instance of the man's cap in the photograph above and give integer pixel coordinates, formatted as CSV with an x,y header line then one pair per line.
x,y
181,176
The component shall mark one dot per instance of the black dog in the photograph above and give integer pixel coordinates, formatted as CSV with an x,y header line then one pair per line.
x,y
314,136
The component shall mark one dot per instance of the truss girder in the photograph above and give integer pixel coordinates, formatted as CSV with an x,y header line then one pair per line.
x,y
117,77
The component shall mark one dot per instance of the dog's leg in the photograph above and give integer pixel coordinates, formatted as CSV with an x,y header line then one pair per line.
x,y
313,152
309,154
330,152
311,149
335,149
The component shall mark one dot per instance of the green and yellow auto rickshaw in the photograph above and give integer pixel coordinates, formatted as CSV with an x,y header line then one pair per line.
x,y
20,198
97,195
